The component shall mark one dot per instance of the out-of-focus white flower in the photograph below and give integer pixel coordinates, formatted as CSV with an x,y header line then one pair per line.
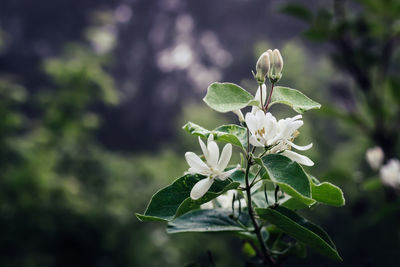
x,y
374,157
390,173
225,201
277,135
213,168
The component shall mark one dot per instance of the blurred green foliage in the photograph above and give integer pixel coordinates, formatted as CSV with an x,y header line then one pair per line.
x,y
65,200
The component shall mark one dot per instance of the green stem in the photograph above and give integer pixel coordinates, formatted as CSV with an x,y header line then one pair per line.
x,y
257,229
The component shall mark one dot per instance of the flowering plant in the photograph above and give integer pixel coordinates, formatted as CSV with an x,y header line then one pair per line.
x,y
269,185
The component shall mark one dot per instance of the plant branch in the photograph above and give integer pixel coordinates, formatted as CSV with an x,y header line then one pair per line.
x,y
269,97
257,229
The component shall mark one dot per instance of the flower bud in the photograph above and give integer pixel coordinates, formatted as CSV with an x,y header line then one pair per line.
x,y
276,62
262,67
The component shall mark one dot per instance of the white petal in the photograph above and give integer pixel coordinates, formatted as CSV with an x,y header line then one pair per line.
x,y
291,128
302,148
253,140
251,122
203,148
264,93
225,157
239,113
207,206
298,158
213,152
196,164
226,174
200,188
297,117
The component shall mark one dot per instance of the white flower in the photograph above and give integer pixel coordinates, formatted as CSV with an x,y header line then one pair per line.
x,y
390,173
279,135
213,168
263,128
374,157
225,201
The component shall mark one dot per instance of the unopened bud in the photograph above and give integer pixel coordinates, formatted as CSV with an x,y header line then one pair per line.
x,y
262,67
276,62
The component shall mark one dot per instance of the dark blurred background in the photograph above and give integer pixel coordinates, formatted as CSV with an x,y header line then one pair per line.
x,y
93,95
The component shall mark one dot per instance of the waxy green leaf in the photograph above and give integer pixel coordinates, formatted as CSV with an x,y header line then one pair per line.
x,y
209,220
233,134
225,97
286,201
327,193
289,175
174,200
300,229
293,98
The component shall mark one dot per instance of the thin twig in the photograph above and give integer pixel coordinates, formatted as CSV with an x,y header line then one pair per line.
x,y
269,97
257,230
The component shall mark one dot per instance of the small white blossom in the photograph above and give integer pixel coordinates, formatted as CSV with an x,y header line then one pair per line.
x,y
390,173
266,131
213,168
374,157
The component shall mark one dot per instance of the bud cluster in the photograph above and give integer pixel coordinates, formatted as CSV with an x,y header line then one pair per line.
x,y
269,64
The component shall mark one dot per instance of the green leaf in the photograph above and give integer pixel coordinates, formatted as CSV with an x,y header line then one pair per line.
x,y
225,97
195,129
327,193
233,134
289,175
209,220
239,176
174,200
293,203
287,201
293,98
301,229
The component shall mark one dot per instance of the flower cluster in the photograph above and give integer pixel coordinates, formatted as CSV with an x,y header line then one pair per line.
x,y
275,136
